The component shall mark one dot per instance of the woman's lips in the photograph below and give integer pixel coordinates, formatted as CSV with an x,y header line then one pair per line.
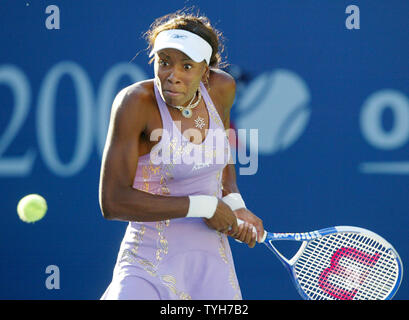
x,y
172,93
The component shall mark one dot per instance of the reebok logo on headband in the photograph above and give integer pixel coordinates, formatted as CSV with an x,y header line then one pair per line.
x,y
178,36
188,42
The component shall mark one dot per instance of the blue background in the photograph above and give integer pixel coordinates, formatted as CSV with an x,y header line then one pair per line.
x,y
314,183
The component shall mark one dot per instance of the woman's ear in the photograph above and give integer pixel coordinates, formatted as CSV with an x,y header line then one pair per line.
x,y
206,75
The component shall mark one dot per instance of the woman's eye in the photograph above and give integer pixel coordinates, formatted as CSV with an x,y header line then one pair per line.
x,y
188,66
163,62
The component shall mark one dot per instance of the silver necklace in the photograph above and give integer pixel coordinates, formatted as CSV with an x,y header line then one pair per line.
x,y
187,111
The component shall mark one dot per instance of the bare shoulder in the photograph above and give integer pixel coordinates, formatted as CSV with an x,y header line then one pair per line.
x,y
222,80
134,103
223,88
136,97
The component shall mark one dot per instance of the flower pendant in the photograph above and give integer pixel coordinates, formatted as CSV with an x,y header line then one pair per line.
x,y
200,123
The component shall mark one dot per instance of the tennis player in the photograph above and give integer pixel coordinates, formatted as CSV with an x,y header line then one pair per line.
x,y
180,212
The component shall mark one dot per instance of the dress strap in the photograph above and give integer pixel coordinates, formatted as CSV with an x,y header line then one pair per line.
x,y
214,114
167,120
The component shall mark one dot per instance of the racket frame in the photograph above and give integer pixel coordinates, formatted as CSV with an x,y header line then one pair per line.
x,y
308,236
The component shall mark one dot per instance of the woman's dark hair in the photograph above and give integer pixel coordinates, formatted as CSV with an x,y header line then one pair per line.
x,y
193,22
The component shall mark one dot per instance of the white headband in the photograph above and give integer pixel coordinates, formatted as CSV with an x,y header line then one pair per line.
x,y
189,43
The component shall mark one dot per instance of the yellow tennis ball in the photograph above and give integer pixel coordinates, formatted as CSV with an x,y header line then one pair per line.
x,y
32,208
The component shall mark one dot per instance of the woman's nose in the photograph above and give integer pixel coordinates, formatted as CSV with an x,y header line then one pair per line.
x,y
173,77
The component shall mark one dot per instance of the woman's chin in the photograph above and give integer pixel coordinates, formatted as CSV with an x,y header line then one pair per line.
x,y
173,102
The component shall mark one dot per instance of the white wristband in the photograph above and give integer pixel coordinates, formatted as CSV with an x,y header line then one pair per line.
x,y
202,206
234,201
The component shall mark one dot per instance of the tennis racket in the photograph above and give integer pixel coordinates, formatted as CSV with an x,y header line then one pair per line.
x,y
341,263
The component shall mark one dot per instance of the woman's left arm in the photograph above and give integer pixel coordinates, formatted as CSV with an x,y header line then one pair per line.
x,y
229,183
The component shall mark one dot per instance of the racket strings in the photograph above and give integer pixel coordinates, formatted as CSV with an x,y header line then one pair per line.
x,y
346,266
367,273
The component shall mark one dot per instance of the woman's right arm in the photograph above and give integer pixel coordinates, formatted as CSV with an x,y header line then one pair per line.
x,y
117,197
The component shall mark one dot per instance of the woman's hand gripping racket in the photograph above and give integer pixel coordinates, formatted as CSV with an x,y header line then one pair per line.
x,y
341,263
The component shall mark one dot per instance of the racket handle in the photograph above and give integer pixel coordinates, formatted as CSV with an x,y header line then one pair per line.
x,y
239,222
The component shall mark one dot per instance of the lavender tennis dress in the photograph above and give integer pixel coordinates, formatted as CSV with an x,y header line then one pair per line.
x,y
179,258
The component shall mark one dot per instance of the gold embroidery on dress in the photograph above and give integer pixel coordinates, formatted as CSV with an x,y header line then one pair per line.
x,y
145,177
162,250
154,169
130,255
215,117
162,243
173,143
148,266
232,277
147,172
170,282
164,187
